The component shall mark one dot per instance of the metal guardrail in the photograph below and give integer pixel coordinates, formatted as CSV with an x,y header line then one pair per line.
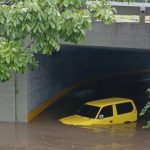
x,y
136,1
139,9
133,4
130,9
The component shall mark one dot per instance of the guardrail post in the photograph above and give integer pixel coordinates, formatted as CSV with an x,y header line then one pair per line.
x,y
142,14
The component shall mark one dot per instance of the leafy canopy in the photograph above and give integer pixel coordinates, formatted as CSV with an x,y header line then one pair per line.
x,y
38,26
146,110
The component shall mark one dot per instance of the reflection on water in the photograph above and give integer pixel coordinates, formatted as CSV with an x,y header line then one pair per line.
x,y
128,129
45,133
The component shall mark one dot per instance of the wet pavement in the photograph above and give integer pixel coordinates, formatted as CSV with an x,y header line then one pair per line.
x,y
47,133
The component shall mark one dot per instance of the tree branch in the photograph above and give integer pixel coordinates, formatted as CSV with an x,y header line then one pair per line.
x,y
29,45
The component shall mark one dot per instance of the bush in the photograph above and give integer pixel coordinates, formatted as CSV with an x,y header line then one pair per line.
x,y
145,109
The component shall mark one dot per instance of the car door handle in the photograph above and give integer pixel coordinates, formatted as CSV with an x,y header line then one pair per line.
x,y
110,121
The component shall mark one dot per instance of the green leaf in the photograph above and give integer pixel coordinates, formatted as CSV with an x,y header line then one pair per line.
x,y
8,60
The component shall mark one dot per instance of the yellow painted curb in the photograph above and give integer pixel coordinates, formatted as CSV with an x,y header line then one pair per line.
x,y
36,111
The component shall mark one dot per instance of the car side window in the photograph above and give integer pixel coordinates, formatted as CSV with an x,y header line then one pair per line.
x,y
124,108
107,111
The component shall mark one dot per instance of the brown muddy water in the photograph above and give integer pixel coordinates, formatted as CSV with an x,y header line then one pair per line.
x,y
46,133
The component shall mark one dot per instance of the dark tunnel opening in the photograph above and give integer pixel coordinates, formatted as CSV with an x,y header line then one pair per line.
x,y
105,72
125,86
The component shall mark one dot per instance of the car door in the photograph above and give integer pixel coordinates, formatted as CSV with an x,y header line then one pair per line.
x,y
125,113
105,116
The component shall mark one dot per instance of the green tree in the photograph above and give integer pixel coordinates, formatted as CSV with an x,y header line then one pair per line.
x,y
146,109
38,26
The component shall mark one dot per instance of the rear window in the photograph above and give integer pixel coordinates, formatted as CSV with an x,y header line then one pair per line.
x,y
124,108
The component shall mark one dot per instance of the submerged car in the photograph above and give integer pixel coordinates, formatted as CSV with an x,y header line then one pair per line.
x,y
104,111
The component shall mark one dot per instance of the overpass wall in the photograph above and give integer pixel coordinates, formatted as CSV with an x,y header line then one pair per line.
x,y
121,35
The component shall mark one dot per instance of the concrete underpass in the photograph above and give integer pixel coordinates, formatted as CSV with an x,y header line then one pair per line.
x,y
106,72
80,68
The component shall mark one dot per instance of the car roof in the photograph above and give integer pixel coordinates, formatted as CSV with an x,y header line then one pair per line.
x,y
108,101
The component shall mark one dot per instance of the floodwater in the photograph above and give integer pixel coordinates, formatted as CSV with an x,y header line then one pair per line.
x,y
47,133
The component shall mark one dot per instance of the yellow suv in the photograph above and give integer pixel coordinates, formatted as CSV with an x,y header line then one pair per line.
x,y
104,111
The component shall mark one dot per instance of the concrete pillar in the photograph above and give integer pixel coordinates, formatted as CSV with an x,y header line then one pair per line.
x,y
7,100
142,14
13,99
21,97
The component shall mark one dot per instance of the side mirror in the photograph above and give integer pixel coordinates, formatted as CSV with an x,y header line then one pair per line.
x,y
101,116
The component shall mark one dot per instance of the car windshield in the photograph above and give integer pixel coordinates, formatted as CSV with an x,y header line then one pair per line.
x,y
88,111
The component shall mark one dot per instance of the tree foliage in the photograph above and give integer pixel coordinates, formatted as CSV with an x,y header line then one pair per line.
x,y
145,109
38,26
